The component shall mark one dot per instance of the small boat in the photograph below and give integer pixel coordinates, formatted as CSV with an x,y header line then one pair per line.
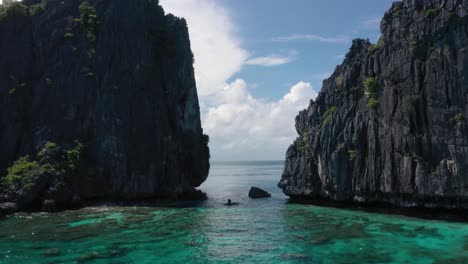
x,y
230,203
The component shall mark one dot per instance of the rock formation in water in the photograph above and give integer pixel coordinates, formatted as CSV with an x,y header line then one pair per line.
x,y
391,124
98,101
256,193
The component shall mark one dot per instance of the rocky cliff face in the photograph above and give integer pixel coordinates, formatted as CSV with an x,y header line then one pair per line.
x,y
390,125
100,100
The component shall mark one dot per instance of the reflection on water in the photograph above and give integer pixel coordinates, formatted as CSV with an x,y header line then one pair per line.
x,y
256,231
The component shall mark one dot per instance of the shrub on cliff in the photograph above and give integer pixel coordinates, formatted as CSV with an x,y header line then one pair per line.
x,y
372,103
51,159
459,117
430,12
13,9
22,173
303,142
370,85
38,8
88,21
74,157
327,115
47,149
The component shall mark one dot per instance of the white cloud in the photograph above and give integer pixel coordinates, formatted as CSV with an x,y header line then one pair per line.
x,y
341,56
311,37
241,127
272,60
216,46
244,127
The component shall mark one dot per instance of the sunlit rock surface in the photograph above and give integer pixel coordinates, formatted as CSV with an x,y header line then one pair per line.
x,y
390,124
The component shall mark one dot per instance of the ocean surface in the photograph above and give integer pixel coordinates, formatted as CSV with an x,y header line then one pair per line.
x,y
256,231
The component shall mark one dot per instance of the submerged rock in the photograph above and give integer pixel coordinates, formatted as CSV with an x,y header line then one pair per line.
x,y
390,124
256,192
99,101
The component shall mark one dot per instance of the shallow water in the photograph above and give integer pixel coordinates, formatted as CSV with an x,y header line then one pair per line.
x,y
257,231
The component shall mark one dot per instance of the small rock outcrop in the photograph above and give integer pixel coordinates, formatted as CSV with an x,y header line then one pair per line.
x,y
256,193
8,208
391,124
98,100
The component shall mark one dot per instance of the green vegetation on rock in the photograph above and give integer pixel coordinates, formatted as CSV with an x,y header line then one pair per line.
x,y
47,149
13,9
327,115
68,35
352,153
73,158
38,8
431,12
51,159
459,117
23,172
88,21
303,144
372,103
370,87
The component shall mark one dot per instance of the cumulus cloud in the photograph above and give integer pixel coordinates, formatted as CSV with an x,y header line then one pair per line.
x,y
241,125
312,37
216,46
273,60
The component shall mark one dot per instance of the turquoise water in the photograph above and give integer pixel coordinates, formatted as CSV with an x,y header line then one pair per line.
x,y
256,231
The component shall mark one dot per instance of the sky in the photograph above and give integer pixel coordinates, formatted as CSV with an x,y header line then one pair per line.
x,y
259,62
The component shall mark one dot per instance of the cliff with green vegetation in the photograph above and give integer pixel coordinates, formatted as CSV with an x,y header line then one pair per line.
x,y
390,125
98,102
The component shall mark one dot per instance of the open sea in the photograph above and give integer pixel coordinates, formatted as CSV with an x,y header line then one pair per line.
x,y
256,231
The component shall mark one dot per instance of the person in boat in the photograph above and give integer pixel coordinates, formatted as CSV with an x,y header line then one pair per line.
x,y
230,203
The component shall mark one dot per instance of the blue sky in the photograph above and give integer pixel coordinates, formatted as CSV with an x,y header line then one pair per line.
x,y
259,62
261,20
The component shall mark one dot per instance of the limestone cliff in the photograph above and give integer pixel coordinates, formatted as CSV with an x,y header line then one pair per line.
x,y
98,101
390,125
